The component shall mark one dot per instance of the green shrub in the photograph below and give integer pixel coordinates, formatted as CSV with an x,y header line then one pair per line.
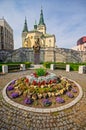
x,y
58,65
0,68
40,71
62,66
15,65
47,64
27,64
74,67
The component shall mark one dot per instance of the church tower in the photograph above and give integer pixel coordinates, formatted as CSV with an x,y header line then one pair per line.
x,y
24,32
41,26
38,32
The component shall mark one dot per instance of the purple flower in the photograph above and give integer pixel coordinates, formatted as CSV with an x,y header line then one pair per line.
x,y
74,90
14,94
47,102
60,100
28,101
13,82
69,94
9,88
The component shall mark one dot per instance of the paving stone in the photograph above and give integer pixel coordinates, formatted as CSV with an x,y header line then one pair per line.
x,y
17,119
61,128
3,129
31,128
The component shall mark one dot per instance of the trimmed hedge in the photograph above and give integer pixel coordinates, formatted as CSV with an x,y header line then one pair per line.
x,y
75,66
15,65
47,64
57,65
62,66
0,68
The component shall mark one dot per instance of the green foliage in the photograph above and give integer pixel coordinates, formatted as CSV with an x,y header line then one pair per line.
x,y
40,71
62,66
57,65
0,68
15,65
27,64
74,67
47,64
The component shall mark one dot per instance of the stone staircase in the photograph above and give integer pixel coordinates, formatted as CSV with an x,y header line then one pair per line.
x,y
33,66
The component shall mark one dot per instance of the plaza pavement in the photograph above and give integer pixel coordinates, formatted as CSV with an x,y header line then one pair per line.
x,y
74,118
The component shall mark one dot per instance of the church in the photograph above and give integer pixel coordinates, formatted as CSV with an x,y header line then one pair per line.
x,y
39,32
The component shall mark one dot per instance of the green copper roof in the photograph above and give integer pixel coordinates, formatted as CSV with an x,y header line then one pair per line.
x,y
25,26
41,20
35,25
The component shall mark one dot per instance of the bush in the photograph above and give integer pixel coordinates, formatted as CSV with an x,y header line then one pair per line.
x,y
62,66
0,68
27,64
47,64
40,72
74,67
57,65
15,65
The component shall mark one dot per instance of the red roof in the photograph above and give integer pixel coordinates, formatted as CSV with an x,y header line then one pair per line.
x,y
82,40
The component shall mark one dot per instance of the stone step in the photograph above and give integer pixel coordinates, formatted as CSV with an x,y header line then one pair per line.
x,y
36,66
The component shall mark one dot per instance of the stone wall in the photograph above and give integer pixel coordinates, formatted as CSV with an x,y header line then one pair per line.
x,y
68,55
4,55
48,54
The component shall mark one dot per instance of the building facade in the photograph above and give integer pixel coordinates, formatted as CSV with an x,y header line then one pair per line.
x,y
6,36
81,44
39,32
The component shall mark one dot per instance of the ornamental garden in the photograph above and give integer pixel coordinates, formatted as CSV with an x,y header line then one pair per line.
x,y
42,89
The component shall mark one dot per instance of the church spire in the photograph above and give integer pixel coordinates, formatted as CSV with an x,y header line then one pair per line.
x,y
25,26
35,25
41,20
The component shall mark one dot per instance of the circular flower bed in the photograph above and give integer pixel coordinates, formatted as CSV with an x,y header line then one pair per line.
x,y
46,90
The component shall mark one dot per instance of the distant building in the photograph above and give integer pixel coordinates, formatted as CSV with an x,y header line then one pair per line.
x,y
6,36
39,31
81,44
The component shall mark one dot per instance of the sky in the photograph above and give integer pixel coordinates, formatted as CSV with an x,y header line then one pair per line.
x,y
64,18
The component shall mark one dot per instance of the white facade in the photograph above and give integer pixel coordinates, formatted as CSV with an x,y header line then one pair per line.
x,y
80,47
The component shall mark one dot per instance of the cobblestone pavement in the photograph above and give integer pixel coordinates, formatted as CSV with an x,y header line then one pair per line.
x,y
74,118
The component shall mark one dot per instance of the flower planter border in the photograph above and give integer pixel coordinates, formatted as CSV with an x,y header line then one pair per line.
x,y
42,110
